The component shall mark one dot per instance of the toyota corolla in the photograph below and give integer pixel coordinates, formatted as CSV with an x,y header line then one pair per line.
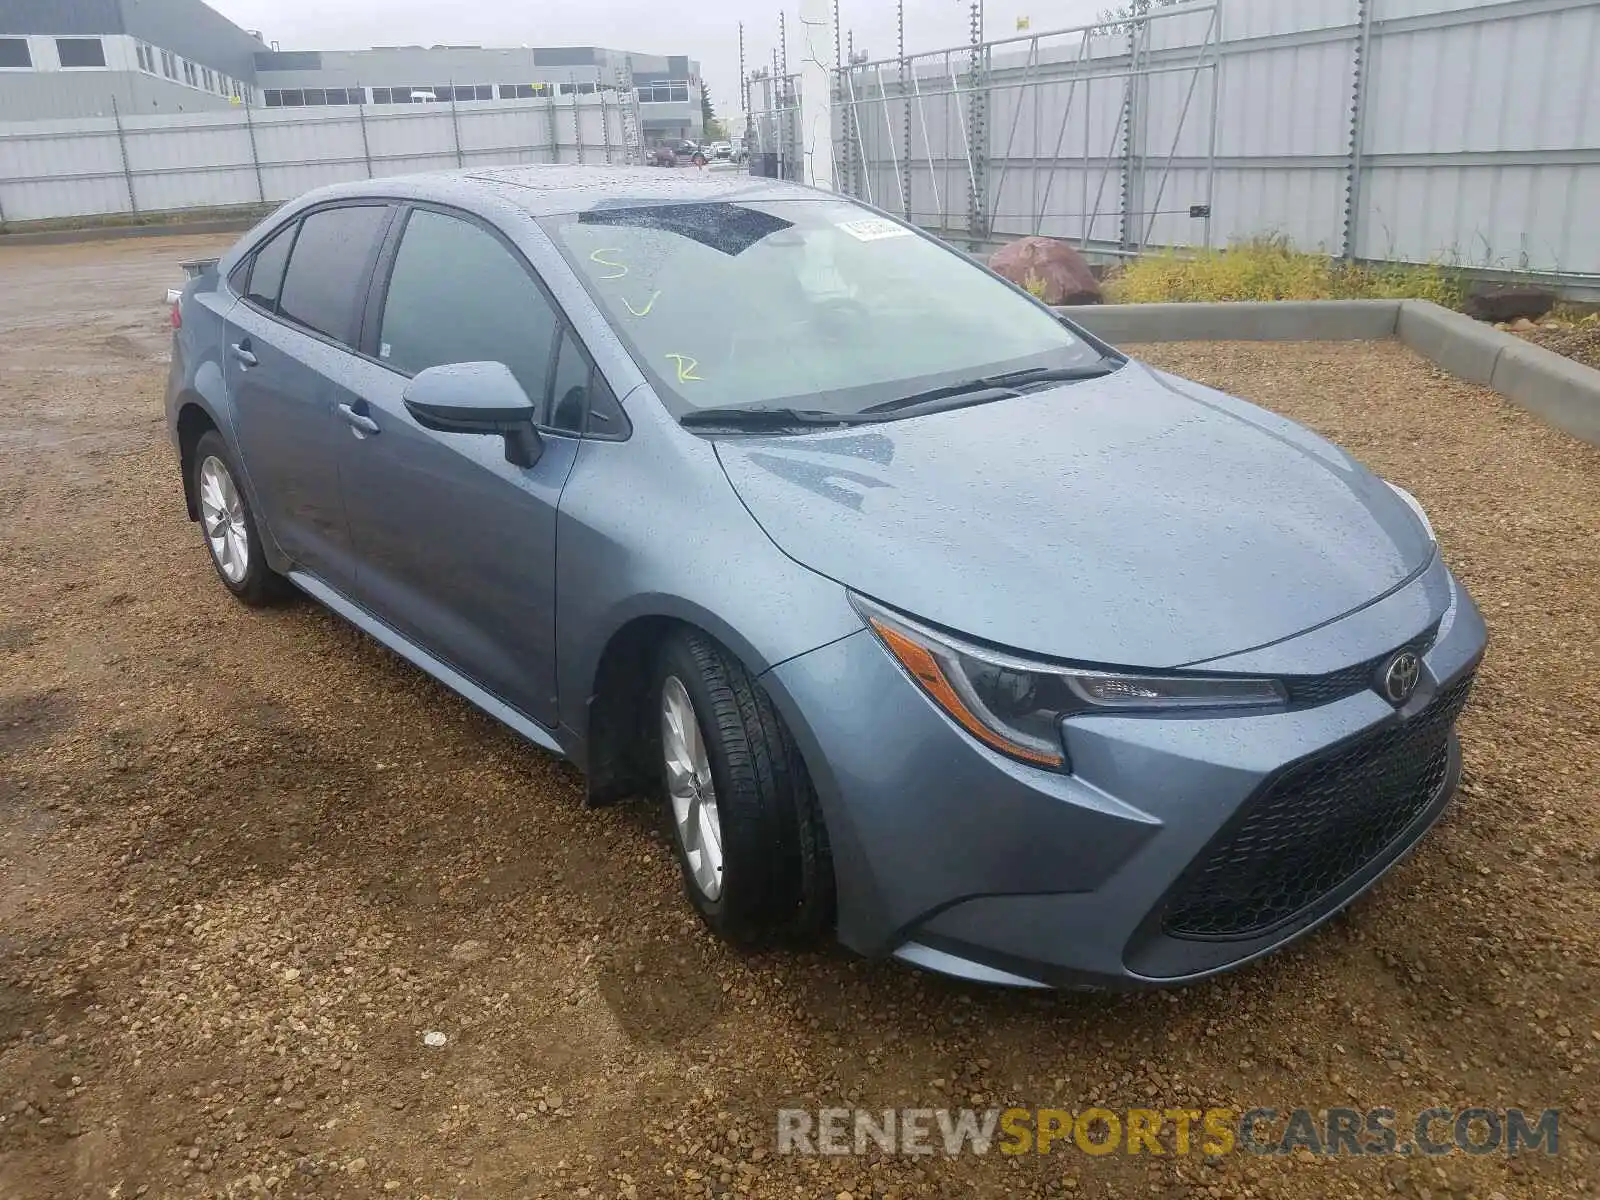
x,y
938,624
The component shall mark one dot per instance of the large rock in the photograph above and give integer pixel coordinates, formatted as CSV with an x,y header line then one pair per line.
x,y
1507,302
1051,270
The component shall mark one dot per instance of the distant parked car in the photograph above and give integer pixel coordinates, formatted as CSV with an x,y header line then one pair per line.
x,y
681,155
931,618
722,151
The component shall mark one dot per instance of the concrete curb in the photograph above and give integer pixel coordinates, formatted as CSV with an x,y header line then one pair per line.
x,y
1280,321
63,237
1555,388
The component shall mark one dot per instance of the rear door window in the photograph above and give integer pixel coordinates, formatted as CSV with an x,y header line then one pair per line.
x,y
266,275
330,269
458,294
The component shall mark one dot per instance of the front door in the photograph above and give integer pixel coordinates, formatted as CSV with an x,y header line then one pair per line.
x,y
456,545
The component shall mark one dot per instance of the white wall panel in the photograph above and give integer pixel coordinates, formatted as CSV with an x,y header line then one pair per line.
x,y
200,160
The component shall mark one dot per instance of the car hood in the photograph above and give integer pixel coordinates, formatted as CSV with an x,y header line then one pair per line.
x,y
1136,520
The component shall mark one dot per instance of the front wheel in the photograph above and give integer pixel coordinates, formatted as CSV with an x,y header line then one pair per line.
x,y
749,837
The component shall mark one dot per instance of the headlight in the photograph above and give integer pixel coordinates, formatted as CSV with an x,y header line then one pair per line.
x,y
1411,503
1016,706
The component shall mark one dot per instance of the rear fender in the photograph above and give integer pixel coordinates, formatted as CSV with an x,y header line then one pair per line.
x,y
203,395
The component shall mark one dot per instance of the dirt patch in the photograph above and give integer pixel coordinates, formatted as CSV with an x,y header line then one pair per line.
x,y
251,859
30,719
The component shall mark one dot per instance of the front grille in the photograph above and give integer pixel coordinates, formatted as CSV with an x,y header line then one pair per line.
x,y
1315,826
1308,690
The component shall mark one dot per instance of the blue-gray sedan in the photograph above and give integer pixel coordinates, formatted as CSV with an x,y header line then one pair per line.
x,y
939,624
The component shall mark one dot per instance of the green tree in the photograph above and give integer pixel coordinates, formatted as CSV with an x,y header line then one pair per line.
x,y
708,117
1116,19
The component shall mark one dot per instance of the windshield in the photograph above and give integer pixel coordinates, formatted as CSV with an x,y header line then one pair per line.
x,y
815,304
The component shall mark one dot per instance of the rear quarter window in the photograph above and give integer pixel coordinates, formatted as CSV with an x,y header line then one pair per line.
x,y
264,274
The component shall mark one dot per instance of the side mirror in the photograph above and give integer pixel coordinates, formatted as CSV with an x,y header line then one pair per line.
x,y
477,397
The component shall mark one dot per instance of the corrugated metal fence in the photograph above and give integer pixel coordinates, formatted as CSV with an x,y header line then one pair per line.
x,y
200,160
1465,131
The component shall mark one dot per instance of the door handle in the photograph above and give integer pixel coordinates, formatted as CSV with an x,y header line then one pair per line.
x,y
359,421
242,355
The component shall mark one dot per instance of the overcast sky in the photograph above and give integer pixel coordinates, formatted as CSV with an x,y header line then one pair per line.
x,y
702,29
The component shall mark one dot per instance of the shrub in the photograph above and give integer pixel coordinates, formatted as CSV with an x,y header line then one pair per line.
x,y
1271,268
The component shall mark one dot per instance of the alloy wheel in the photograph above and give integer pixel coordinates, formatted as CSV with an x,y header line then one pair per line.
x,y
690,789
222,514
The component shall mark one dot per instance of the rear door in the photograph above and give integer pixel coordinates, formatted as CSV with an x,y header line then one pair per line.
x,y
288,349
457,545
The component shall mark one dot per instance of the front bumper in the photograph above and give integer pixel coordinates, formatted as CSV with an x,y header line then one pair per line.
x,y
959,859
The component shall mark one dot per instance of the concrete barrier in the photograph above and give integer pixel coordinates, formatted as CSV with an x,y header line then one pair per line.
x,y
1549,385
1462,346
1557,389
1277,321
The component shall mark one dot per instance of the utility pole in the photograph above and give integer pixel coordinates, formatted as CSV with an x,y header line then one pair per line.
x,y
815,99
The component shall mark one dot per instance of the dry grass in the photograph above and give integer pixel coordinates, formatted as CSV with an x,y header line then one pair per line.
x,y
1272,269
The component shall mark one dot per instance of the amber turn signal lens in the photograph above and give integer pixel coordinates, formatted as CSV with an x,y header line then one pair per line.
x,y
926,671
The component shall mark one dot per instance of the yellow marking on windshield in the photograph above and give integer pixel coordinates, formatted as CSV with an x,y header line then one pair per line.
x,y
606,262
686,366
645,311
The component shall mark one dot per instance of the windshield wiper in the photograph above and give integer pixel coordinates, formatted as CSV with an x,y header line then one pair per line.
x,y
1030,375
734,417
992,387
960,395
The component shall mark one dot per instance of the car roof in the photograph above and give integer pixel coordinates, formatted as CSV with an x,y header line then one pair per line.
x,y
548,189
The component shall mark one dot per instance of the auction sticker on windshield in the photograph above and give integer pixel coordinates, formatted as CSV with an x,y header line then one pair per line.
x,y
871,229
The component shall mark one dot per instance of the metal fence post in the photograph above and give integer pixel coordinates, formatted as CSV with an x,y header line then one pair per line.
x,y
905,108
366,147
122,151
978,133
255,157
605,123
1358,133
455,125
577,125
550,114
1132,116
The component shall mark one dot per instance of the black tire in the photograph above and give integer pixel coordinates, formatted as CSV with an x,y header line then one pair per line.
x,y
259,584
777,877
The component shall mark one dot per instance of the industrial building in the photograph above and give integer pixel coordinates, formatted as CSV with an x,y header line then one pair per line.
x,y
76,58
667,86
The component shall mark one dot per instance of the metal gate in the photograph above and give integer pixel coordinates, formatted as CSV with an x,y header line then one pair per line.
x,y
1072,133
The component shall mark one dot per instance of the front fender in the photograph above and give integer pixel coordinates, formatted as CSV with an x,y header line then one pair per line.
x,y
651,528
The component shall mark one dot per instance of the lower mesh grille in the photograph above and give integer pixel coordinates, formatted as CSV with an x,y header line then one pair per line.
x,y
1315,826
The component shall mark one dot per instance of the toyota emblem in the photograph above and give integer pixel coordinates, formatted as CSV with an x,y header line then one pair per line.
x,y
1399,677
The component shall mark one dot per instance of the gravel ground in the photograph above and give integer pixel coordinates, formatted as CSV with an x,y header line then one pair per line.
x,y
249,859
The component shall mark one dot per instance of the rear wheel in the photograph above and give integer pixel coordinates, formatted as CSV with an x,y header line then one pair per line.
x,y
230,527
744,818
